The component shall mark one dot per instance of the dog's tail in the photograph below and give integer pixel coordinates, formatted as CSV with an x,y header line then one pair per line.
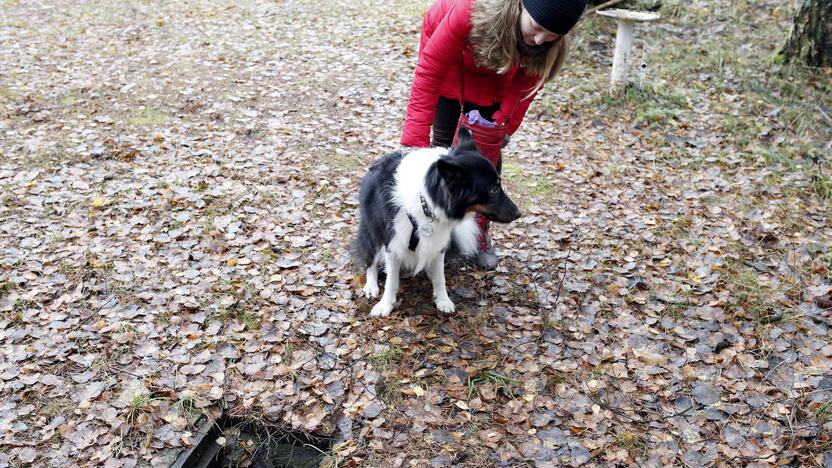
x,y
362,251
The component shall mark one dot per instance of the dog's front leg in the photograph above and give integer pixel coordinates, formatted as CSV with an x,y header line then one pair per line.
x,y
437,277
391,286
371,286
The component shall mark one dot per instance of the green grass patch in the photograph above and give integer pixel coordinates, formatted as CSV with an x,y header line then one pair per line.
x,y
5,288
138,403
58,407
778,156
773,179
502,382
824,413
680,227
674,307
742,130
70,99
349,162
389,392
512,180
15,24
752,100
511,172
652,116
23,304
7,94
163,318
750,297
186,406
325,256
386,359
672,9
249,321
590,26
139,400
632,443
286,355
826,264
744,280
149,116
515,180
822,182
541,188
553,378
652,106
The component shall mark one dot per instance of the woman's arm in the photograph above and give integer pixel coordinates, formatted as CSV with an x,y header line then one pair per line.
x,y
437,54
516,99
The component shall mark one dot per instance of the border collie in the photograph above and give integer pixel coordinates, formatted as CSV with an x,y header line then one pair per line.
x,y
413,205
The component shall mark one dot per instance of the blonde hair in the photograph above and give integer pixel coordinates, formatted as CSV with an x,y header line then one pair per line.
x,y
494,35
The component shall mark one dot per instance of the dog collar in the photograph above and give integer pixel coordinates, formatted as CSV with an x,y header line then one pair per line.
x,y
425,209
425,230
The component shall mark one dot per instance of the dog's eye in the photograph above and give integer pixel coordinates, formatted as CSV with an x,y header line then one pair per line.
x,y
494,191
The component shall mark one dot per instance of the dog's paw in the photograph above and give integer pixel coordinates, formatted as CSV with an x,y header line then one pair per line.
x,y
445,305
371,290
382,309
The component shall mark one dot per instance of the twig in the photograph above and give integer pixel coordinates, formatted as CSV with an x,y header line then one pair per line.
x,y
784,361
560,288
829,121
824,114
544,316
652,415
603,5
510,350
679,413
545,323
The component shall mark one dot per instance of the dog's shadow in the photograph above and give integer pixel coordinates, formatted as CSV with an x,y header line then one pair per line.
x,y
415,295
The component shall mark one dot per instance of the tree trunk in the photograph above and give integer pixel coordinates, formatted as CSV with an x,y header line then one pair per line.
x,y
811,38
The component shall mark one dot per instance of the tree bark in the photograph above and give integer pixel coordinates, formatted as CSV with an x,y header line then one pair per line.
x,y
811,38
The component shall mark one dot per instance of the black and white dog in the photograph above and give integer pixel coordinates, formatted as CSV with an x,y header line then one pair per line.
x,y
413,205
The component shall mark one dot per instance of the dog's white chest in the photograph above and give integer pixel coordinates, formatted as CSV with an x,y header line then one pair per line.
x,y
431,240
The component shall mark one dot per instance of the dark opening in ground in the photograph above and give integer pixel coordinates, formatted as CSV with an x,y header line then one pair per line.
x,y
239,442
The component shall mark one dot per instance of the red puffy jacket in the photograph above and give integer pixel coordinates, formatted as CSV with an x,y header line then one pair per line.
x,y
445,31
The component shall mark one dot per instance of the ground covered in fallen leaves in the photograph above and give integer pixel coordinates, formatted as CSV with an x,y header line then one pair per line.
x,y
178,188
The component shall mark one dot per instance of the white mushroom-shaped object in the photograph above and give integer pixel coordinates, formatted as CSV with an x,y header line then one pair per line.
x,y
623,41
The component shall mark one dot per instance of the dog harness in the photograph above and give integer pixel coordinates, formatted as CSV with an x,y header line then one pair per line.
x,y
426,229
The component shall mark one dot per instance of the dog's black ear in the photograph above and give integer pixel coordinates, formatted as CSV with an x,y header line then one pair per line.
x,y
464,138
452,173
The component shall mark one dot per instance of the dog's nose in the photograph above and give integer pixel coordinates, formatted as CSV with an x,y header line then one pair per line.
x,y
514,211
507,213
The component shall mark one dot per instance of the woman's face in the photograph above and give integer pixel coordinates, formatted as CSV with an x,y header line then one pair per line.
x,y
533,33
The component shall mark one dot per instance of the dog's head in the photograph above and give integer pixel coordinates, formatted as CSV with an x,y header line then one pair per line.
x,y
472,183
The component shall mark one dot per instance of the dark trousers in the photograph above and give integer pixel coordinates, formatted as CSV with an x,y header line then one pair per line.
x,y
447,116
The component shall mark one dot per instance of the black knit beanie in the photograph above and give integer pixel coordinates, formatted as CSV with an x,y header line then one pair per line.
x,y
557,16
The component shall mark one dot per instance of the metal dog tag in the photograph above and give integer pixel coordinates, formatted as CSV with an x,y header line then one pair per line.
x,y
426,230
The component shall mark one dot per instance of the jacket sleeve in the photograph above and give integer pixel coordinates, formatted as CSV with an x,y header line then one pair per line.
x,y
441,51
516,93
